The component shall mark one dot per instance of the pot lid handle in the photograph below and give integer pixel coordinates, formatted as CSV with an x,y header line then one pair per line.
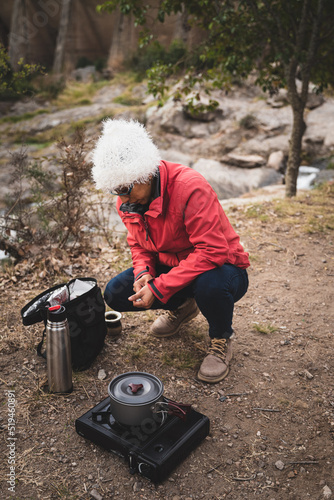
x,y
135,387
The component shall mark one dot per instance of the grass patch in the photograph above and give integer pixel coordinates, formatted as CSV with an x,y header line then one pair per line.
x,y
257,212
24,116
35,141
85,102
197,334
81,93
134,353
78,93
249,122
127,99
180,359
64,130
264,329
309,213
316,224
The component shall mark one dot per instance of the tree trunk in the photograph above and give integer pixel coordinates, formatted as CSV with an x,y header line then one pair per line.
x,y
182,27
298,100
295,148
18,36
62,36
124,40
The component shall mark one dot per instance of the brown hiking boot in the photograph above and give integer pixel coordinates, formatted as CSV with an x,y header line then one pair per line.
x,y
215,365
170,323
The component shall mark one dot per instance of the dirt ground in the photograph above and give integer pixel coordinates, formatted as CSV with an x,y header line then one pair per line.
x,y
271,420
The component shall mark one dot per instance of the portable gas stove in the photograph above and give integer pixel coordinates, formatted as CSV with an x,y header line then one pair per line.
x,y
152,449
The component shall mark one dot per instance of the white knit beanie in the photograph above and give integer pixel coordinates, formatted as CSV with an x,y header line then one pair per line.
x,y
123,154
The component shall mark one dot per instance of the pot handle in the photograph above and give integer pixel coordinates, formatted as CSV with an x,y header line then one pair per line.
x,y
180,410
135,387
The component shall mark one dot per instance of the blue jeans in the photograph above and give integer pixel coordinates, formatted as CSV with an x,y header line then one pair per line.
x,y
215,292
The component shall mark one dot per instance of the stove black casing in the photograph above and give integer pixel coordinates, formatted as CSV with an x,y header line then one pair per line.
x,y
152,451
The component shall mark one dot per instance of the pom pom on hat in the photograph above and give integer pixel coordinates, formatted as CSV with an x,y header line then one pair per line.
x,y
124,154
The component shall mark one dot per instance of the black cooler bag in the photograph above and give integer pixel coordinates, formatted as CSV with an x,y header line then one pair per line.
x,y
85,310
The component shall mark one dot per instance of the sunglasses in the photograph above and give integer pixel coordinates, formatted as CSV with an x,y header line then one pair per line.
x,y
123,191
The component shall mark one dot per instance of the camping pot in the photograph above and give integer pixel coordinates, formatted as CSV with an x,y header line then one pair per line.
x,y
136,398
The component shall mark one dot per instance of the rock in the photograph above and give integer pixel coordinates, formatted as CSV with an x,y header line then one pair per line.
x,y
277,161
172,118
279,465
101,375
25,106
308,375
176,157
137,486
107,94
95,494
326,492
279,100
192,107
319,123
84,74
314,100
230,181
264,145
244,161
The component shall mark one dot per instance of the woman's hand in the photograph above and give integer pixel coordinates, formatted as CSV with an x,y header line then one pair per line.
x,y
144,298
141,282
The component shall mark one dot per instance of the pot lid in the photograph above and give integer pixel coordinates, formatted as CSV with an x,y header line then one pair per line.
x,y
135,388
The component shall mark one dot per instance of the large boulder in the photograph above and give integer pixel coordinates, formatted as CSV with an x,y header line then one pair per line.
x,y
277,161
197,107
173,119
229,182
280,99
264,145
244,161
175,156
320,125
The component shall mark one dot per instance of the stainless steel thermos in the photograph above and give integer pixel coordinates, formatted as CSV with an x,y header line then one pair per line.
x,y
58,350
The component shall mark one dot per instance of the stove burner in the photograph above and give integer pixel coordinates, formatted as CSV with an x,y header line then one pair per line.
x,y
151,449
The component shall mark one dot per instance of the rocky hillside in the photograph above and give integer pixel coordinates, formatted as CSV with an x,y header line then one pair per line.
x,y
240,146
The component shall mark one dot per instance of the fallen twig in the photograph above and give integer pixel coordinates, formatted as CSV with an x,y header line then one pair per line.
x,y
304,462
273,244
244,478
214,468
85,391
237,394
265,409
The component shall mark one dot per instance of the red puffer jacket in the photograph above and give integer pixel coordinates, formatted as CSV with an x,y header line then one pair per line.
x,y
184,228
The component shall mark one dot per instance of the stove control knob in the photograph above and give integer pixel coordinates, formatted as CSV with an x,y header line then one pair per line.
x,y
144,469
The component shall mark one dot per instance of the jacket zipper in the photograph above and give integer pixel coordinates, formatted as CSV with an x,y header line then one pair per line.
x,y
146,227
129,214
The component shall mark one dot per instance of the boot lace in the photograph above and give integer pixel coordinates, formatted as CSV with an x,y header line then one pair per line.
x,y
170,314
218,348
